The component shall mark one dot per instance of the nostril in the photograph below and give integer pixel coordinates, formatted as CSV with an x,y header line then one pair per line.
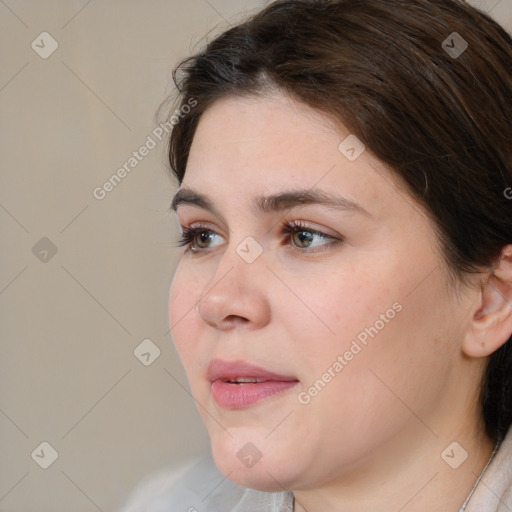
x,y
236,319
232,321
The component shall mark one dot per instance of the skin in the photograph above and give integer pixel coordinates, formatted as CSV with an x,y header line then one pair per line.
x,y
372,438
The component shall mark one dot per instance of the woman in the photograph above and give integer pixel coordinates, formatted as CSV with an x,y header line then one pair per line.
x,y
343,305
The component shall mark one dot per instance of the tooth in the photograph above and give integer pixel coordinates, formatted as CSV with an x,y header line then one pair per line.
x,y
245,380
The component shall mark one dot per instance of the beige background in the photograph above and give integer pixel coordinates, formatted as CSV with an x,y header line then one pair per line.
x,y
70,321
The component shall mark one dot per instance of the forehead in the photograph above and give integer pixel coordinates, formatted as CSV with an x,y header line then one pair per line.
x,y
260,145
253,137
264,123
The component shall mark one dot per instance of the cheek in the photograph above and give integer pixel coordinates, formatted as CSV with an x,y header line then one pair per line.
x,y
392,338
183,296
397,349
340,307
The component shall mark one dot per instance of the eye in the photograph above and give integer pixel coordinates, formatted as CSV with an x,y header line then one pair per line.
x,y
197,238
304,237
201,238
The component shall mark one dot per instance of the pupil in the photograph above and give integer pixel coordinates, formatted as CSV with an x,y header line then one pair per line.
x,y
204,236
305,238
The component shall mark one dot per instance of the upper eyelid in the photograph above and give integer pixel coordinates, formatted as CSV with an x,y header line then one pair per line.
x,y
199,226
292,223
286,228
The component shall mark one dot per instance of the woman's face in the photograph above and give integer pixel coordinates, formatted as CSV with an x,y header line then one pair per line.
x,y
350,320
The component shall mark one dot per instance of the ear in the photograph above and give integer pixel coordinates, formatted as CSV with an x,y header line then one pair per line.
x,y
491,325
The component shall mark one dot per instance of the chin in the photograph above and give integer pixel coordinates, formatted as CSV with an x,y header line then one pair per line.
x,y
263,476
255,465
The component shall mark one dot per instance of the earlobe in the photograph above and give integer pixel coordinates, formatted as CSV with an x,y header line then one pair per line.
x,y
492,321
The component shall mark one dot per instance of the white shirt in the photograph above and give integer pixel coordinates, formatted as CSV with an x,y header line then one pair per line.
x,y
200,487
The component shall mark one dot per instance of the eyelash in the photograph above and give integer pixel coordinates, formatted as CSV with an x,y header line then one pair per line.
x,y
189,234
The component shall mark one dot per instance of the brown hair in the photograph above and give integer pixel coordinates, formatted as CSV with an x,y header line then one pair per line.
x,y
440,120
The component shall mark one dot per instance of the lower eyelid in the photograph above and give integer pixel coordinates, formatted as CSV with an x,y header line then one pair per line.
x,y
329,242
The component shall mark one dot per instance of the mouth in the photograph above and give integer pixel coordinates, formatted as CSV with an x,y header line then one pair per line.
x,y
238,384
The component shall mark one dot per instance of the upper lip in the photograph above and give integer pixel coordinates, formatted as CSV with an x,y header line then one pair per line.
x,y
231,370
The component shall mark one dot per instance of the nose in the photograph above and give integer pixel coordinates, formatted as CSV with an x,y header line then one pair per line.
x,y
237,295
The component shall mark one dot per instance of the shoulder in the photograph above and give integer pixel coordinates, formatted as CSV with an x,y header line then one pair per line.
x,y
494,492
198,485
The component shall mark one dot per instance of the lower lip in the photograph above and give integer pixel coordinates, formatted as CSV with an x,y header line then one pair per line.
x,y
238,396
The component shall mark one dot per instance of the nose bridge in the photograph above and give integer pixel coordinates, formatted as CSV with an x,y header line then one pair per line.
x,y
239,266
235,289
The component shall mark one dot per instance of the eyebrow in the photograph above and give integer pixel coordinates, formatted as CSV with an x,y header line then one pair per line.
x,y
282,201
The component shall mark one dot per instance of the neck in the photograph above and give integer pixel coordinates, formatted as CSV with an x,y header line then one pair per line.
x,y
407,479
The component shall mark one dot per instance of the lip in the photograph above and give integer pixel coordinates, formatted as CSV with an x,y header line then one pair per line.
x,y
230,395
219,369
